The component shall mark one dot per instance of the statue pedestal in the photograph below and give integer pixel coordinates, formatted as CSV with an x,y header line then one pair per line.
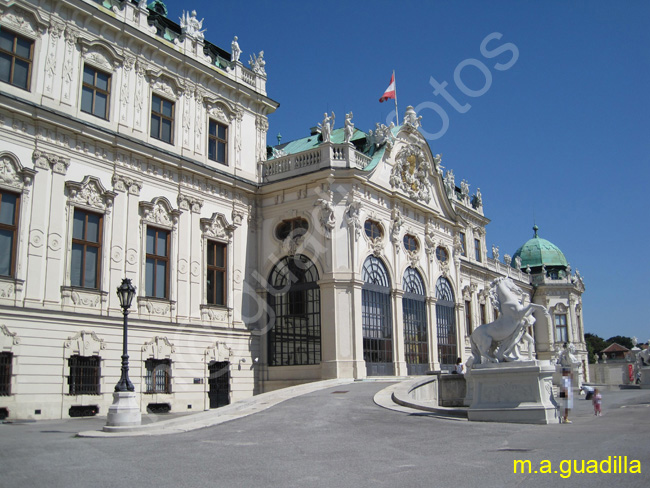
x,y
517,392
124,412
645,377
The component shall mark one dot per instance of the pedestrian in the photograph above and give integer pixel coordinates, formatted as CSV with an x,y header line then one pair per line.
x,y
460,367
597,401
566,394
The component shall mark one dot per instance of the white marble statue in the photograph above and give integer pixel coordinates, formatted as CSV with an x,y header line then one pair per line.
x,y
567,358
257,63
235,51
496,342
191,26
495,252
349,128
325,127
450,183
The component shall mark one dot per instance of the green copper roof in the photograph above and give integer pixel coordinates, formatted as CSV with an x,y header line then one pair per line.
x,y
537,252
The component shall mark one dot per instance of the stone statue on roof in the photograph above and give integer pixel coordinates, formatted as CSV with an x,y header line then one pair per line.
x,y
450,184
349,128
325,127
191,26
257,63
235,52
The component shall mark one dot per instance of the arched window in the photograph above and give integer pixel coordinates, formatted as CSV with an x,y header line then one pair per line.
x,y
294,298
414,310
446,323
376,321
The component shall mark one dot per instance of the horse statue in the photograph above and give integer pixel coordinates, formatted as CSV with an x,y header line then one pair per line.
x,y
498,341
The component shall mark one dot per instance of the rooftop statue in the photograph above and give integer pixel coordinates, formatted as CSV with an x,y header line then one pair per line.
x,y
325,127
235,52
191,26
257,63
349,128
499,341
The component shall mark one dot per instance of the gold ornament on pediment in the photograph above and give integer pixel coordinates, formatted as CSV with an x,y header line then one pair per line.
x,y
411,173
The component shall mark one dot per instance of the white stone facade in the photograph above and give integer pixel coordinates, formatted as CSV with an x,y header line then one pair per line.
x,y
62,159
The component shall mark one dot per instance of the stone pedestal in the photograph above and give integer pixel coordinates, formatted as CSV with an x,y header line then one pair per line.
x,y
645,377
125,411
518,392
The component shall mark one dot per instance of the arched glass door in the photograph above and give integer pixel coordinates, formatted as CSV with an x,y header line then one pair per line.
x,y
414,313
376,319
294,298
446,324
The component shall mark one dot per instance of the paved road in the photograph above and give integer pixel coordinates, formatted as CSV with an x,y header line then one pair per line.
x,y
332,438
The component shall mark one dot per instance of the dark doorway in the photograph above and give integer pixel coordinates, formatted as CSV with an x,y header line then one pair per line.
x,y
219,381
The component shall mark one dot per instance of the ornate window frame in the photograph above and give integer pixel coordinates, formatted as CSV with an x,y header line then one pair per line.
x,y
159,214
217,229
89,195
16,179
159,349
223,112
86,344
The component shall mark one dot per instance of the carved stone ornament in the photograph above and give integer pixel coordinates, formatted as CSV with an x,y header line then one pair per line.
x,y
124,183
7,339
44,160
396,226
188,203
450,184
382,135
411,173
292,244
559,308
213,314
411,117
85,343
352,219
413,258
376,246
13,175
237,217
191,26
83,299
430,243
23,21
159,212
158,348
219,351
99,55
217,226
326,216
90,193
154,307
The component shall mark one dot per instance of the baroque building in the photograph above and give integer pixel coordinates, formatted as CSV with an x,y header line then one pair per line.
x,y
133,147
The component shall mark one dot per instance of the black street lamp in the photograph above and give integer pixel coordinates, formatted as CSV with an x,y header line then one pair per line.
x,y
125,292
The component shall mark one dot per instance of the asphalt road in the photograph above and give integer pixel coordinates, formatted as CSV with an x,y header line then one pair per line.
x,y
335,438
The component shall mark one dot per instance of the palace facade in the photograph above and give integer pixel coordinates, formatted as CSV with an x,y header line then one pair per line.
x,y
133,147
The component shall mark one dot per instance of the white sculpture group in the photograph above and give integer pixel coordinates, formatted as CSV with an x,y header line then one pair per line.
x,y
500,340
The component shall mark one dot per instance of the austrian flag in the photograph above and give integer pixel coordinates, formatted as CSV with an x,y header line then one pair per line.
x,y
390,91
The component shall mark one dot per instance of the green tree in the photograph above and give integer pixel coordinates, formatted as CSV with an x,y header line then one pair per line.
x,y
594,344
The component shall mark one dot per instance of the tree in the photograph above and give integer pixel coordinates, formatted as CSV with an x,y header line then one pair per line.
x,y
595,344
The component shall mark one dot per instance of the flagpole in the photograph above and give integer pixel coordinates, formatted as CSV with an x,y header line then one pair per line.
x,y
396,113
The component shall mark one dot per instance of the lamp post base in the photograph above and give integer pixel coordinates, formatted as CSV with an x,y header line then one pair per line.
x,y
124,412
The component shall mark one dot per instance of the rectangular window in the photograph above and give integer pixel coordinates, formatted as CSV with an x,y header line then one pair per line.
x,y
86,249
6,359
463,248
477,250
84,375
16,54
157,267
560,328
468,317
95,92
483,313
218,142
216,276
162,119
159,375
9,204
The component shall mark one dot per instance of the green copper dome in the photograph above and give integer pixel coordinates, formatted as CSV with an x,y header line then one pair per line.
x,y
537,252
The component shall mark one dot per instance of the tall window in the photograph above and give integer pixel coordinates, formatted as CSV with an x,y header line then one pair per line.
x,y
416,344
377,322
217,142
84,375
6,359
477,250
294,302
9,203
86,249
162,119
216,279
158,377
468,317
16,53
95,92
483,317
446,323
157,268
560,328
463,248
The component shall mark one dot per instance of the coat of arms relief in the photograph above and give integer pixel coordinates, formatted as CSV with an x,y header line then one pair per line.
x,y
411,173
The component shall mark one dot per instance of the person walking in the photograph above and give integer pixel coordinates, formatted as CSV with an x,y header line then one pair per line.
x,y
566,394
597,401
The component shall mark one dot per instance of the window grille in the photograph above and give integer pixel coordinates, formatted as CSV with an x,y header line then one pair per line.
x,y
377,321
6,359
84,375
446,323
416,344
158,376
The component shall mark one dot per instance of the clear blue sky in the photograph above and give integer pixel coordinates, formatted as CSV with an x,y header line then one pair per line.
x,y
562,137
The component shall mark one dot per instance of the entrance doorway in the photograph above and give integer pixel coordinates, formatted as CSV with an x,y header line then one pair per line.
x,y
219,382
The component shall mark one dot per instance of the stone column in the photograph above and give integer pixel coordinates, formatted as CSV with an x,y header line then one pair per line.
x,y
399,356
434,360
